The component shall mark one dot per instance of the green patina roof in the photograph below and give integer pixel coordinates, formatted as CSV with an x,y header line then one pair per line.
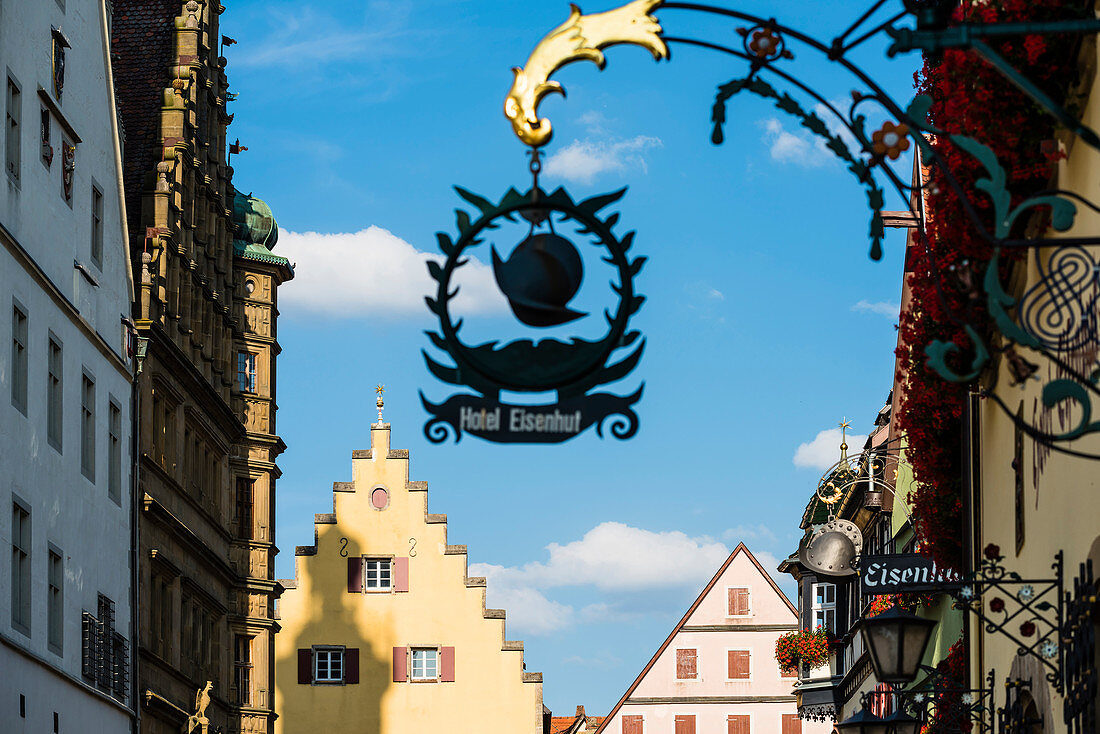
x,y
257,231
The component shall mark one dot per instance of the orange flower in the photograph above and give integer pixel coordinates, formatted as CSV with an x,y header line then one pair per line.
x,y
764,43
890,140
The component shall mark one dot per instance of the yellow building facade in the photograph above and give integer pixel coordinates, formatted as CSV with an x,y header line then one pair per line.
x,y
1029,500
382,631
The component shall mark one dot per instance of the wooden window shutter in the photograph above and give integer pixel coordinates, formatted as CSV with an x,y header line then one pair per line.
x,y
355,575
305,666
685,724
685,664
351,665
632,725
447,665
400,664
400,574
792,724
738,602
737,724
738,664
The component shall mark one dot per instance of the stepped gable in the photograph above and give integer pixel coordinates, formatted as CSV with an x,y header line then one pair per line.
x,y
382,513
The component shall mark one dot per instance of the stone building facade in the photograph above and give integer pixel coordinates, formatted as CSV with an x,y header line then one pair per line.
x,y
382,630
206,309
66,378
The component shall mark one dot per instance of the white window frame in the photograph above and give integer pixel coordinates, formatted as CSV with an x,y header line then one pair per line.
x,y
727,661
388,568
826,609
424,678
331,653
738,616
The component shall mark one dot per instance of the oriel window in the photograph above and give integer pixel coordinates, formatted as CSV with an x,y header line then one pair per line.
x,y
244,507
242,665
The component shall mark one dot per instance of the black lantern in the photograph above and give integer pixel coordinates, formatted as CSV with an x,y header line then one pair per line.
x,y
900,722
896,640
862,722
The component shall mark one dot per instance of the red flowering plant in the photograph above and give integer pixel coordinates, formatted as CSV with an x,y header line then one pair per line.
x,y
909,602
968,97
803,646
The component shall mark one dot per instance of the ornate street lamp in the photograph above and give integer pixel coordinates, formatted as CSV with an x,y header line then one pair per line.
x,y
896,640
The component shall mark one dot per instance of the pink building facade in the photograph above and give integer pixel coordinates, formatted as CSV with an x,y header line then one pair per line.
x,y
716,672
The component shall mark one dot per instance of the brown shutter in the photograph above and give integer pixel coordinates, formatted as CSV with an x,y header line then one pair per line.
x,y
400,574
737,724
355,575
447,665
351,665
685,724
742,601
632,725
305,666
738,664
792,724
685,664
400,664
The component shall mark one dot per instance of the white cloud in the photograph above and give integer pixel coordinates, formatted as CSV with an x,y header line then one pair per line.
x,y
824,450
373,272
750,533
582,162
888,309
612,557
594,121
802,147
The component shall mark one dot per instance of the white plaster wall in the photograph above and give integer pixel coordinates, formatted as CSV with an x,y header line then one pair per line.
x,y
48,692
67,509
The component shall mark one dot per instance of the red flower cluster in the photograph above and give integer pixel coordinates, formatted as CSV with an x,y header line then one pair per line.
x,y
968,97
908,602
804,646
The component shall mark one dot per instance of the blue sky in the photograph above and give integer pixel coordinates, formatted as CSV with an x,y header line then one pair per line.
x,y
765,321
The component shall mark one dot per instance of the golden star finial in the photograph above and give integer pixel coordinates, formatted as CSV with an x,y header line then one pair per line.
x,y
380,389
844,424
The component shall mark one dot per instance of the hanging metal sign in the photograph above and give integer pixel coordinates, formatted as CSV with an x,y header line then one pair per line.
x,y
904,572
538,277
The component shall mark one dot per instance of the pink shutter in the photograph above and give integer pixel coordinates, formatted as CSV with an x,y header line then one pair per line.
x,y
400,664
351,665
400,574
305,666
355,575
447,665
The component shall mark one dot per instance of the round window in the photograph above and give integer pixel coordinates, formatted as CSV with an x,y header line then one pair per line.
x,y
380,498
249,286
